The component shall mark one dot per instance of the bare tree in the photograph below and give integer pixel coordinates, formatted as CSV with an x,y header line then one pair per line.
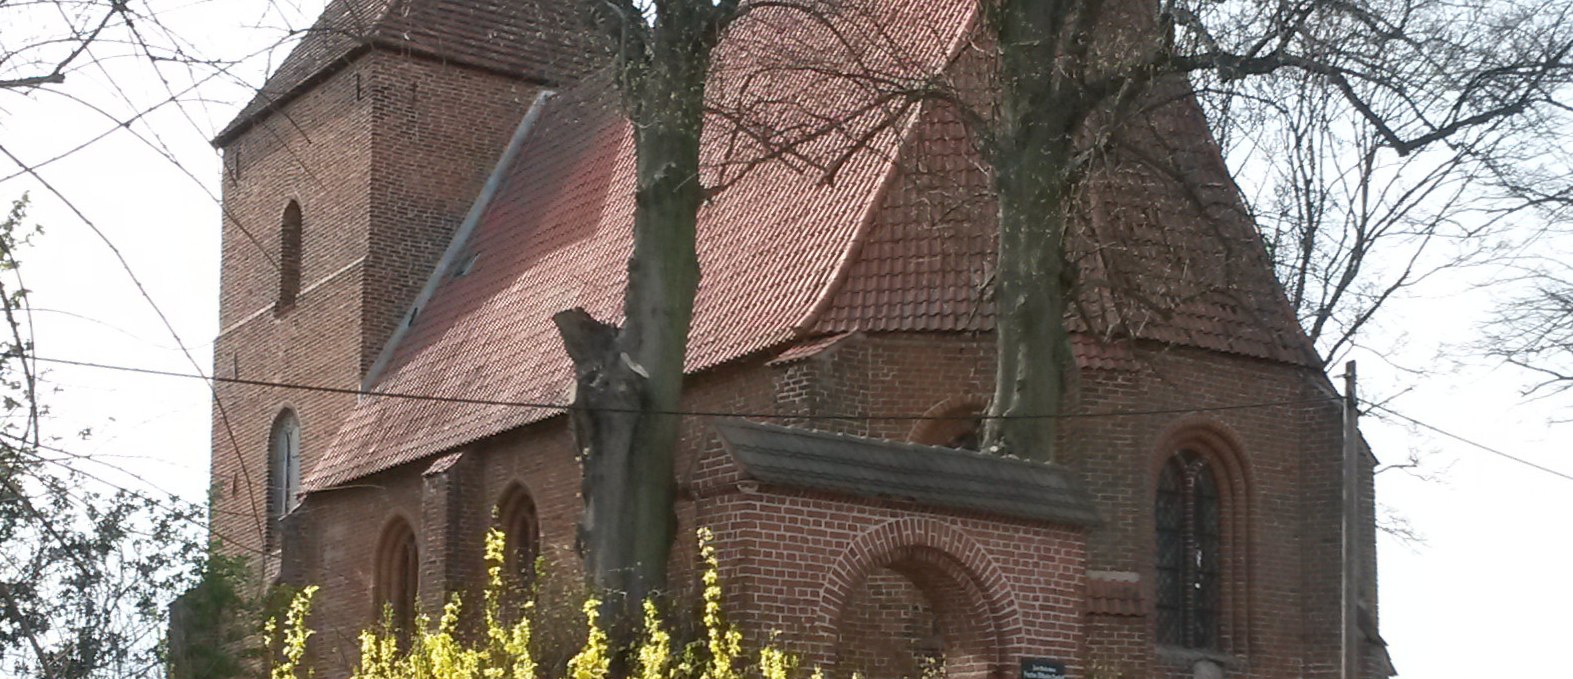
x,y
1350,222
66,32
93,551
86,561
1072,73
1534,331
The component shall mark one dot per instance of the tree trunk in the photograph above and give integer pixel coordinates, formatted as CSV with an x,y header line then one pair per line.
x,y
629,380
1032,163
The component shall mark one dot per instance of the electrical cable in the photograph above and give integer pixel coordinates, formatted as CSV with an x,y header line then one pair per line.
x,y
693,413
1476,444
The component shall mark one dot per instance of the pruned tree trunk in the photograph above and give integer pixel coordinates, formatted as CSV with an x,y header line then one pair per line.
x,y
629,380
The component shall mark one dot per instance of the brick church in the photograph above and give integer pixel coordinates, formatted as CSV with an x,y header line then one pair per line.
x,y
422,184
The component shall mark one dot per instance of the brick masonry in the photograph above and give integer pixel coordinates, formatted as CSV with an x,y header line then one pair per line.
x,y
792,559
383,171
374,224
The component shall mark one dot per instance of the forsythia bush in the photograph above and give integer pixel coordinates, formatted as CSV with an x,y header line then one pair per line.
x,y
503,650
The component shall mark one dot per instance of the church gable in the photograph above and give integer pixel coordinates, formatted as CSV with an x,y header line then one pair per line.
x,y
1162,245
896,235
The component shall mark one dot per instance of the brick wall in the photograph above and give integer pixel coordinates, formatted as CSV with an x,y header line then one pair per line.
x,y
377,210
1281,616
1281,611
383,172
316,151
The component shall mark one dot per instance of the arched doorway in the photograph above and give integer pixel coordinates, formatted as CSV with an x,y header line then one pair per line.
x,y
889,629
916,610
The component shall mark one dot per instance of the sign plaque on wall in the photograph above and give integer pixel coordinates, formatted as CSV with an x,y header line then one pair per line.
x,y
1042,668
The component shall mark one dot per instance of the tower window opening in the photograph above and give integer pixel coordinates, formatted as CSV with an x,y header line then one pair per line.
x,y
289,255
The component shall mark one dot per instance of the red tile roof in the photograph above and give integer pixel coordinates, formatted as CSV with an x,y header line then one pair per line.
x,y
557,236
540,40
1112,594
901,239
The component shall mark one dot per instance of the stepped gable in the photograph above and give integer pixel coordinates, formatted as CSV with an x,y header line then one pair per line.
x,y
557,236
538,40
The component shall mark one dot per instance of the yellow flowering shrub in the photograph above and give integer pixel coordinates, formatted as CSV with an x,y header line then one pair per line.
x,y
502,649
296,633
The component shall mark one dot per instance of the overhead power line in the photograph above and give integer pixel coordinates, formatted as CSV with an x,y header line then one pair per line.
x,y
696,413
1473,443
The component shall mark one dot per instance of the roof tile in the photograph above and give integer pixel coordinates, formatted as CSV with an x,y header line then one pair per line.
x,y
899,238
557,236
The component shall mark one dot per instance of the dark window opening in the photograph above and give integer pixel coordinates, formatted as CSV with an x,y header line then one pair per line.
x,y
517,519
289,255
970,437
1189,553
955,426
398,577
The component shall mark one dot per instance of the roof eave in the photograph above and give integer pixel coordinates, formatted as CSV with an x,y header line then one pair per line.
x,y
247,121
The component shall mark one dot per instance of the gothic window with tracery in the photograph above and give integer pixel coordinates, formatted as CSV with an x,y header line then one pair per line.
x,y
1190,558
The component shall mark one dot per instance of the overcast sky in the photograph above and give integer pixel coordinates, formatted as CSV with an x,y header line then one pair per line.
x,y
1488,586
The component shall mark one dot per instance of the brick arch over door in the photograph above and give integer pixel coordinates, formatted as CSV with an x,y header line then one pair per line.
x,y
976,609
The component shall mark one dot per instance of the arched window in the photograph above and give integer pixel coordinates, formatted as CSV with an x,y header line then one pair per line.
x,y
289,255
517,519
283,465
954,423
1190,552
397,575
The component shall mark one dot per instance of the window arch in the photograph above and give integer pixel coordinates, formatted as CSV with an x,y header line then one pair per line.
x,y
952,423
517,519
1190,552
289,255
397,574
283,465
1201,525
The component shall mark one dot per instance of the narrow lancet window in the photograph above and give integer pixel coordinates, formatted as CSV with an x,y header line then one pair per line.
x,y
1189,553
289,255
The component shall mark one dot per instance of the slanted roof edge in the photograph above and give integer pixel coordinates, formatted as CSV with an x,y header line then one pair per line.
x,y
461,236
248,120
849,257
245,120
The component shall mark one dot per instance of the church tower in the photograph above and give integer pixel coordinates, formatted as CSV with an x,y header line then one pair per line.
x,y
344,179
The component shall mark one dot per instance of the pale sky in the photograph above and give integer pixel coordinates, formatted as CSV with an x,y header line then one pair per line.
x,y
1488,587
